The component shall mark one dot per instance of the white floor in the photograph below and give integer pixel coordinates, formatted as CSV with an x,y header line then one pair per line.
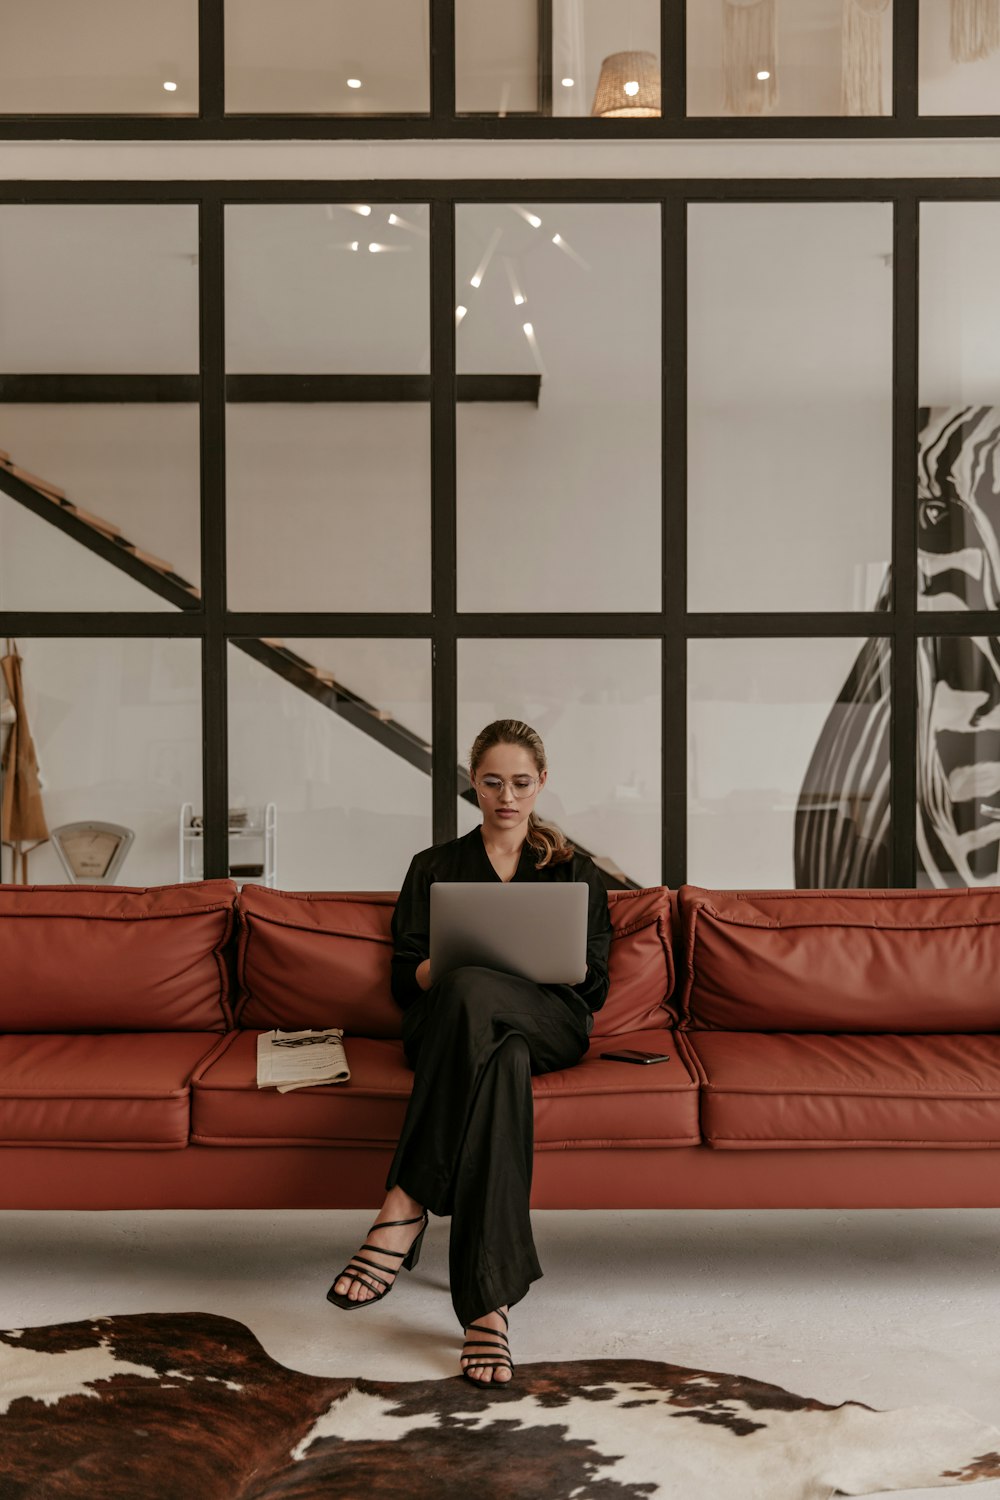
x,y
892,1308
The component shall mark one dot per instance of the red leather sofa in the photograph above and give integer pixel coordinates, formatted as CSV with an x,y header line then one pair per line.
x,y
827,1049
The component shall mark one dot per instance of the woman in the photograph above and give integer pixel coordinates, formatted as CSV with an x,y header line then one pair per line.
x,y
473,1039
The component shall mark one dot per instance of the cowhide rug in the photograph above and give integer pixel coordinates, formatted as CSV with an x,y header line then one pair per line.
x,y
186,1406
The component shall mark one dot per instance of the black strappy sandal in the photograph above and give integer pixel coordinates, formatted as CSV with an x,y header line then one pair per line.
x,y
500,1352
366,1271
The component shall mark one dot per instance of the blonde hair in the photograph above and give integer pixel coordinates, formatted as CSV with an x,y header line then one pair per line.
x,y
551,845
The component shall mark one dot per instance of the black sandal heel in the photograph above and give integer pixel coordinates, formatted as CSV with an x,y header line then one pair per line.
x,y
500,1352
366,1271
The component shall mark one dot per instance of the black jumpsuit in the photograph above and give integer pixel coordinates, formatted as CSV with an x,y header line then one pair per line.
x,y
474,1039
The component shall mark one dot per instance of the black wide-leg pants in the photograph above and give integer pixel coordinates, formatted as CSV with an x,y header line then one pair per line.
x,y
466,1147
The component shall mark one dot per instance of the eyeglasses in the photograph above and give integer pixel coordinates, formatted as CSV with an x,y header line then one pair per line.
x,y
521,786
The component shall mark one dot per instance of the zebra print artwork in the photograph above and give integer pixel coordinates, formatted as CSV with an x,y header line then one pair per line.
x,y
842,817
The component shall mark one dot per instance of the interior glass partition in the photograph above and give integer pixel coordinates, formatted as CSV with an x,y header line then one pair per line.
x,y
789,405
99,417
597,58
756,58
328,417
121,57
559,485
354,57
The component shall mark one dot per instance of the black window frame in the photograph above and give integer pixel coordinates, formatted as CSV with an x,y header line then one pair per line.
x,y
442,123
214,625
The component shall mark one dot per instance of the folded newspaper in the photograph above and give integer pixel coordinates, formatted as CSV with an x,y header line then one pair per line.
x,y
298,1059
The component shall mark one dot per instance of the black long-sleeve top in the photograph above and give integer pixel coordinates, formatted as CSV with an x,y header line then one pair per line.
x,y
466,858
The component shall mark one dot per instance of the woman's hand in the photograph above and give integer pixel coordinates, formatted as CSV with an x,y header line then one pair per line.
x,y
423,974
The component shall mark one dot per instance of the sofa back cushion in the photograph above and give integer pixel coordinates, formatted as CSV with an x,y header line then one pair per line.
x,y
852,961
641,964
115,958
318,958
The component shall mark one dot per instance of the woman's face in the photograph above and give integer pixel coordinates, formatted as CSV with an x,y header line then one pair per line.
x,y
504,810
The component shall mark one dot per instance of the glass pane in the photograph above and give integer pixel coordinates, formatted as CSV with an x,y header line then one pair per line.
x,y
599,57
816,57
788,763
496,57
959,65
596,704
98,288
105,291
559,489
132,468
958,477
116,726
321,288
127,57
790,405
336,735
357,57
329,506
958,761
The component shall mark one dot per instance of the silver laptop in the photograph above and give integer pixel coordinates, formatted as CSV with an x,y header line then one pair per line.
x,y
537,931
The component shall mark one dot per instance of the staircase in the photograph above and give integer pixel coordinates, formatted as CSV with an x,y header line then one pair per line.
x,y
106,540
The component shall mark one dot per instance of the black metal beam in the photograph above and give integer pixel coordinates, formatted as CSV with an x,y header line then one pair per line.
x,y
214,675
444,663
674,570
119,389
903,659
71,389
545,57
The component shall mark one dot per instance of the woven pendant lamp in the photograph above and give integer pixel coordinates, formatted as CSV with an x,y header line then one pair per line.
x,y
861,57
629,86
975,29
749,56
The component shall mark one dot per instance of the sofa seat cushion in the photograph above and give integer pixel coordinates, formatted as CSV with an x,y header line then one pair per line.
x,y
119,1090
778,1089
597,1102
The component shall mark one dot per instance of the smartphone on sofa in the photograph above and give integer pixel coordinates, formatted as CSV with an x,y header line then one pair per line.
x,y
630,1056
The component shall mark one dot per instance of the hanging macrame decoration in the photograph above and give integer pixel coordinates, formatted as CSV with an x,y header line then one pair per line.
x,y
749,56
861,57
975,29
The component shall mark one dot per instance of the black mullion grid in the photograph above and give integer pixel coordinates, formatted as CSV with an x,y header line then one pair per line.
x,y
905,625
673,466
442,50
444,670
545,57
905,65
673,65
211,64
502,190
903,664
212,356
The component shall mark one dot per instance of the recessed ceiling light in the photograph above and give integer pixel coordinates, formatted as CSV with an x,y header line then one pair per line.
x,y
171,88
567,83
518,299
631,87
763,75
460,313
354,83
